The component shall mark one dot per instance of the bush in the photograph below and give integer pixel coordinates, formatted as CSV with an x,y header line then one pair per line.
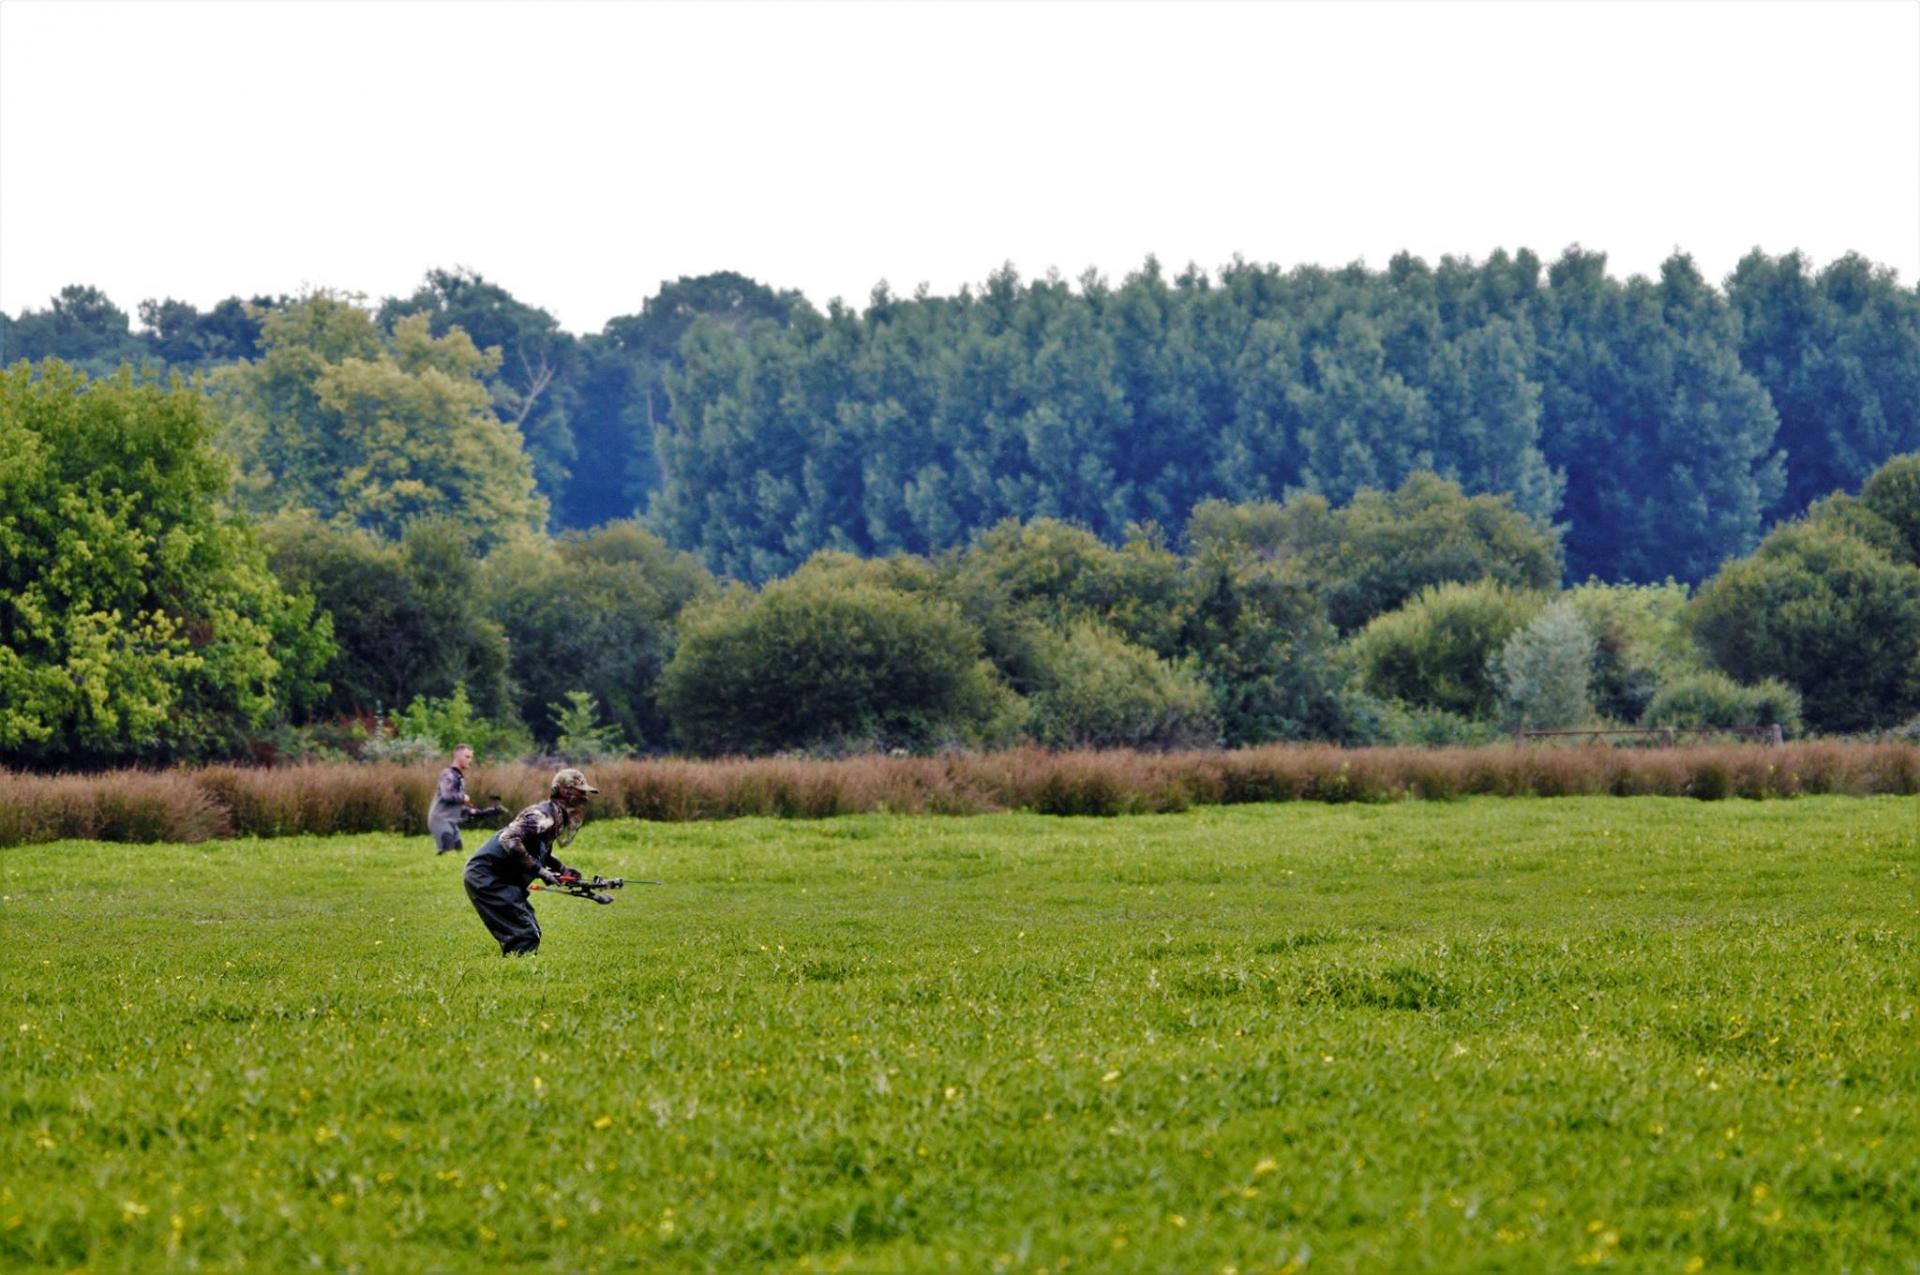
x,y
814,662
1435,652
1545,671
433,726
1706,700
1104,692
1826,613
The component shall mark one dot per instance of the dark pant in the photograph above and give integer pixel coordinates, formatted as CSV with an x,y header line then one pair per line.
x,y
502,901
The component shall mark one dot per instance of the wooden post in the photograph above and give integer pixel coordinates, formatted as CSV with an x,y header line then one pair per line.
x,y
1779,736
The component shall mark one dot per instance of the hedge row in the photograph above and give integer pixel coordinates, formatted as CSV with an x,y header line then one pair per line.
x,y
229,801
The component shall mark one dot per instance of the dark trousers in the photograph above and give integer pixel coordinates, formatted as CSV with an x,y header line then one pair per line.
x,y
502,901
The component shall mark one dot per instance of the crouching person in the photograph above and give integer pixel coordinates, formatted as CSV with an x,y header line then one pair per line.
x,y
499,874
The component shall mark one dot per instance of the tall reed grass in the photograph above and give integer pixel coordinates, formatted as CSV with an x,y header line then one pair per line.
x,y
223,801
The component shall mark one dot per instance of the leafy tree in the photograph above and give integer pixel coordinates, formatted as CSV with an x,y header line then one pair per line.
x,y
1438,650
447,721
815,663
409,618
183,338
1839,355
1263,643
531,381
136,620
1826,613
1892,493
579,735
1383,548
1666,442
619,387
1101,691
372,430
592,612
80,326
1545,671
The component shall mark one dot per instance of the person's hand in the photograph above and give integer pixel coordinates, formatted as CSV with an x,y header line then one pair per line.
x,y
550,876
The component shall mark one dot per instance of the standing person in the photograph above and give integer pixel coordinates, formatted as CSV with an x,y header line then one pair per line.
x,y
450,801
500,871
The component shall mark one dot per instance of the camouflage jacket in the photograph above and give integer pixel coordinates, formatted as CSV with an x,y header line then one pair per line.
x,y
529,839
452,788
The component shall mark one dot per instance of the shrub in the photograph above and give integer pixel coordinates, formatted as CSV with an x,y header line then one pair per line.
x,y
1435,651
817,662
1826,613
1716,700
1104,692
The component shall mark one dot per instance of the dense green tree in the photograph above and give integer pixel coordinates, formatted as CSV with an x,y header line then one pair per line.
x,y
136,620
1839,354
1262,641
815,662
1828,614
592,612
1892,494
375,430
1371,556
618,387
1438,650
1666,443
409,617
531,382
1101,691
80,326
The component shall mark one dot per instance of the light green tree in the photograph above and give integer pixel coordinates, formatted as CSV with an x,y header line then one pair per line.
x,y
1545,671
136,621
372,430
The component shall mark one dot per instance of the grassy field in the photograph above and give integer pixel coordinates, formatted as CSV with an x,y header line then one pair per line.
x,y
1631,1033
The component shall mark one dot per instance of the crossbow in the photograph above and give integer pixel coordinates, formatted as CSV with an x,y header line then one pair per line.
x,y
576,886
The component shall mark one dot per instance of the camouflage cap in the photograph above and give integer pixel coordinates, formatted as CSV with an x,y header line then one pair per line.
x,y
570,781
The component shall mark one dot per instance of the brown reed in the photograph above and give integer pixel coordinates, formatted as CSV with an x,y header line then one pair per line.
x,y
220,801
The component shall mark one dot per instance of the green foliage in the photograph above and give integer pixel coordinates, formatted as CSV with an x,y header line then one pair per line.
x,y
409,618
1261,639
1667,442
816,663
592,611
448,721
579,735
1826,613
1839,354
1101,691
375,430
136,621
1584,982
1060,574
1437,651
1714,699
1374,554
1641,639
1545,671
531,364
1892,492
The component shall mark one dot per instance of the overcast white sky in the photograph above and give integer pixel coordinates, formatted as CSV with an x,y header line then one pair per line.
x,y
581,153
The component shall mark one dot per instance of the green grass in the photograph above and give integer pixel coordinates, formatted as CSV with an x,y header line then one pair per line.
x,y
1643,1034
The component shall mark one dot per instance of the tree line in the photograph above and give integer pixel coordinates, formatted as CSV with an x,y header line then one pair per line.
x,y
160,602
1661,424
